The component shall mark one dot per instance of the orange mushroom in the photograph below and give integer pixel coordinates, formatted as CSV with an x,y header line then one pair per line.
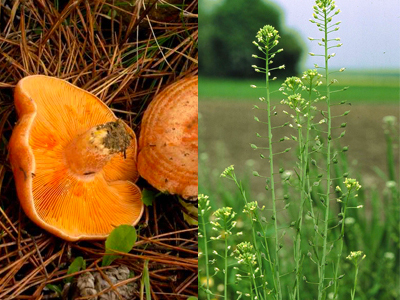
x,y
168,142
74,162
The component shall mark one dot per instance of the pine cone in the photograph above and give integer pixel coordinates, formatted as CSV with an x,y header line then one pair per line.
x,y
91,283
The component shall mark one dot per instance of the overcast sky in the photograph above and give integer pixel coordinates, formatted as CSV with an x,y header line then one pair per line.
x,y
370,31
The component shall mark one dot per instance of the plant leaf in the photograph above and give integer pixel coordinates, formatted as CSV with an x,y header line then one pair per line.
x,y
146,280
193,211
148,197
54,288
122,239
192,298
78,264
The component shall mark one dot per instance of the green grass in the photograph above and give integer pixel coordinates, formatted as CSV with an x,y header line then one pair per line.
x,y
367,86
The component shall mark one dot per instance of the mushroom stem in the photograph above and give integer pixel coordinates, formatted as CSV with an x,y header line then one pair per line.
x,y
89,152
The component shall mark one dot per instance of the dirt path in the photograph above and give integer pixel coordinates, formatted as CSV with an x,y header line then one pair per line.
x,y
228,128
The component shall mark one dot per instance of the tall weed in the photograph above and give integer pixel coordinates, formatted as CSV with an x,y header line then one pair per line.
x,y
313,238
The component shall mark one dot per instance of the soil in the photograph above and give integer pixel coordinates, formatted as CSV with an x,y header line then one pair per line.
x,y
228,128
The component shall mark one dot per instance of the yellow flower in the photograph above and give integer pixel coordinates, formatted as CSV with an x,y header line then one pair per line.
x,y
203,281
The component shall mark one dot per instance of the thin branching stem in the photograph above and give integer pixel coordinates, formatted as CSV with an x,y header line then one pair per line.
x,y
321,288
254,235
226,268
271,165
203,221
339,255
353,291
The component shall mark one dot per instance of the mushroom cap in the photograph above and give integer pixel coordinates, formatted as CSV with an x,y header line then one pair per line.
x,y
51,113
168,142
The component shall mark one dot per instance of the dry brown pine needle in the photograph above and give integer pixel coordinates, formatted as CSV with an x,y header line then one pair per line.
x,y
124,54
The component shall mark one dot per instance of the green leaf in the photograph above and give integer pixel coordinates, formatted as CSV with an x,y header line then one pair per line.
x,y
78,264
192,210
146,280
54,288
148,197
122,239
192,298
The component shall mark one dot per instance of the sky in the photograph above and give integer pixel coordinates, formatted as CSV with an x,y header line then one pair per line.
x,y
370,31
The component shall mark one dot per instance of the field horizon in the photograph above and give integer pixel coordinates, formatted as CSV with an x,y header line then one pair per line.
x,y
373,86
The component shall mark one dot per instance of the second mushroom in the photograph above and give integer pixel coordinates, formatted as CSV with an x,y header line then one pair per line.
x,y
168,142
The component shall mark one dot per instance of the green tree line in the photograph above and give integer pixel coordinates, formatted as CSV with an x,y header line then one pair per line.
x,y
227,33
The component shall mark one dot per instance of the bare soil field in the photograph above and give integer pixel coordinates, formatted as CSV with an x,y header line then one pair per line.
x,y
228,128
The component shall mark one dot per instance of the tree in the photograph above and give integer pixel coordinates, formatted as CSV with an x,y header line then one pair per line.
x,y
226,36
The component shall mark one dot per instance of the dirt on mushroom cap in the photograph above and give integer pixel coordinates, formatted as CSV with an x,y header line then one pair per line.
x,y
51,113
168,143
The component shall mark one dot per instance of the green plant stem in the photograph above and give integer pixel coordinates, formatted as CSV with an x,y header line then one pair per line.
x,y
269,258
305,191
353,292
308,193
251,286
258,252
303,164
328,167
390,159
146,280
226,268
308,173
253,278
271,164
336,287
206,256
297,255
